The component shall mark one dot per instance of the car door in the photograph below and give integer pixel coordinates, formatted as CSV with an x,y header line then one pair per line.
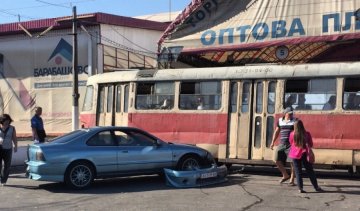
x,y
138,152
102,151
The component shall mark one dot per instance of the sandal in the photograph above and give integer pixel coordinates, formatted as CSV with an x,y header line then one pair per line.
x,y
291,184
284,180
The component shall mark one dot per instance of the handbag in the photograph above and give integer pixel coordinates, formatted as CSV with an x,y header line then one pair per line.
x,y
310,156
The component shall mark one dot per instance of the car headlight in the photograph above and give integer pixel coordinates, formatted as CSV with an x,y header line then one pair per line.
x,y
39,156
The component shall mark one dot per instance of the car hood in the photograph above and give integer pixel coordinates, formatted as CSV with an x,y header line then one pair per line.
x,y
187,147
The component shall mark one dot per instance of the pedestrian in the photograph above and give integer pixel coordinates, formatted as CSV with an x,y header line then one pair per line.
x,y
331,103
299,138
7,140
284,126
37,126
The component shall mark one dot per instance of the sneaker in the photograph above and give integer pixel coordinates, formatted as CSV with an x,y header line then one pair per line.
x,y
319,189
3,184
302,191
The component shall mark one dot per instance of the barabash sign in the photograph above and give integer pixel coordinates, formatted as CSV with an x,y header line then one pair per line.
x,y
58,68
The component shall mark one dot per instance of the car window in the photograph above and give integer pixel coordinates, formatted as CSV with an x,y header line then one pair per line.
x,y
103,138
141,139
69,136
133,138
123,139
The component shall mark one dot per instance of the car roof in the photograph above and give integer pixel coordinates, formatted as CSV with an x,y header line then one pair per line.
x,y
112,128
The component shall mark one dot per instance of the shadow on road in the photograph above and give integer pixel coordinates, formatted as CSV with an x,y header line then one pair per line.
x,y
118,185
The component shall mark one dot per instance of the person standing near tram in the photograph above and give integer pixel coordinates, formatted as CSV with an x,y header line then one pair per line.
x,y
37,126
285,126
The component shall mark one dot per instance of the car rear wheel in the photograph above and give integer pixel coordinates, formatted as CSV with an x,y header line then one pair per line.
x,y
189,163
79,175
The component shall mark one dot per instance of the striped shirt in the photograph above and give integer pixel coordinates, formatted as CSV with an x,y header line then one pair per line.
x,y
286,126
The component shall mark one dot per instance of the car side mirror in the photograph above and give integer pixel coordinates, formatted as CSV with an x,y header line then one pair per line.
x,y
157,142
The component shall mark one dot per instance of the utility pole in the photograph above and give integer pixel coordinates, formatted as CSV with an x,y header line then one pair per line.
x,y
75,108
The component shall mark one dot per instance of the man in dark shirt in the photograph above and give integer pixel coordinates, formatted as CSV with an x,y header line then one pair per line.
x,y
284,127
37,126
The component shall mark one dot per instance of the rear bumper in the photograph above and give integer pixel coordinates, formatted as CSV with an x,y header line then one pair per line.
x,y
196,178
45,172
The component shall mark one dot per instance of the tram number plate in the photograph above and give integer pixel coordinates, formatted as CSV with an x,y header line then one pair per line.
x,y
208,175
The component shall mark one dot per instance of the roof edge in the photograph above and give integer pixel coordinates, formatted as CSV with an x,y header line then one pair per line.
x,y
89,19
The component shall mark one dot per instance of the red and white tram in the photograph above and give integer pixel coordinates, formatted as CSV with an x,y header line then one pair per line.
x,y
232,111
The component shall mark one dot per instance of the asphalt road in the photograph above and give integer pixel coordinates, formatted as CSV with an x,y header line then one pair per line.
x,y
255,188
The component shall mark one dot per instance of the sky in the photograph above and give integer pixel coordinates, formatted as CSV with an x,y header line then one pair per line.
x,y
27,10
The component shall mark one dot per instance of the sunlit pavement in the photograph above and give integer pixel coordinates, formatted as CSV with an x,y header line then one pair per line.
x,y
19,157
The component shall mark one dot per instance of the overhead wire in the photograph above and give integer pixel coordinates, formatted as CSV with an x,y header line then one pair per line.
x,y
131,41
144,50
123,47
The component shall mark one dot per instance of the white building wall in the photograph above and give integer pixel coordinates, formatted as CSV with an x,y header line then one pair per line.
x,y
142,40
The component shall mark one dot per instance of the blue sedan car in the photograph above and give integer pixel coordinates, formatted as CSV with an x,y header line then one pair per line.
x,y
79,157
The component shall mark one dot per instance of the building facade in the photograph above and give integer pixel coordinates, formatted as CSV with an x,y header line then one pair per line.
x,y
36,62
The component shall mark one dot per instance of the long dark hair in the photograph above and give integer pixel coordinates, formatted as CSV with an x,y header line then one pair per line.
x,y
299,134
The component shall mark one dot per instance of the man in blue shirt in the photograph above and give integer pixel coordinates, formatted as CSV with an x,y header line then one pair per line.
x,y
37,126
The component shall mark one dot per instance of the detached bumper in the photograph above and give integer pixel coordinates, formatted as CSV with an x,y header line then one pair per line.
x,y
196,178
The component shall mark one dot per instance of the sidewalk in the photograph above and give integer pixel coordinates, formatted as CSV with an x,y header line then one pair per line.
x,y
19,157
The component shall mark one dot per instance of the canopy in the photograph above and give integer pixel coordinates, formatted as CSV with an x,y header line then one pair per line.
x,y
223,32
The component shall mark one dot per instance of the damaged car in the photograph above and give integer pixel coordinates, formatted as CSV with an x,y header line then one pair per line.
x,y
81,156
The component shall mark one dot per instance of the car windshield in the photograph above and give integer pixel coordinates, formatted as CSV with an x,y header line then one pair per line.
x,y
69,136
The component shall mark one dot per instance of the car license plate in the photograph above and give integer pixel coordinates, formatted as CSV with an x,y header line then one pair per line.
x,y
208,175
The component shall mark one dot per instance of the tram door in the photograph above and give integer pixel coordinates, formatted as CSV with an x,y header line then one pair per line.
x,y
121,104
112,104
263,119
239,119
105,105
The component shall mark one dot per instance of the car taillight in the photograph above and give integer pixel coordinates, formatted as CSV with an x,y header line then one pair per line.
x,y
39,156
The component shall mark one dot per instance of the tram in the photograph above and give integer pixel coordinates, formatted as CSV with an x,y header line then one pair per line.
x,y
232,111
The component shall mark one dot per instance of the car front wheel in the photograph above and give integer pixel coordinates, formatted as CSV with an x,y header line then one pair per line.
x,y
189,163
79,175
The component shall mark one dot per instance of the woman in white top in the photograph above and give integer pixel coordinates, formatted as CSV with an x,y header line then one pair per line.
x,y
7,139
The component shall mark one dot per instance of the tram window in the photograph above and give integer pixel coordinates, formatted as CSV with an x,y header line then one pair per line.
x,y
126,99
269,130
88,100
351,95
233,99
159,95
271,97
118,98
259,97
200,95
257,141
101,99
109,99
245,97
312,94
